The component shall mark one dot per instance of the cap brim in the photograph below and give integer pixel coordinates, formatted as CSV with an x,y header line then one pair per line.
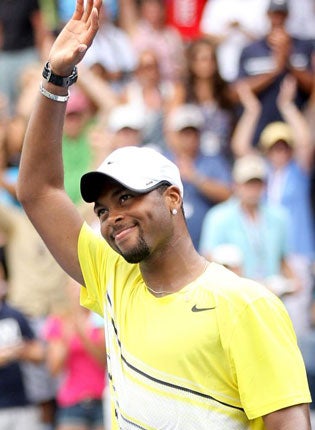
x,y
93,183
278,9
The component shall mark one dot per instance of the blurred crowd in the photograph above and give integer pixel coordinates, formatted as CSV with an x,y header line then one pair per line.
x,y
225,89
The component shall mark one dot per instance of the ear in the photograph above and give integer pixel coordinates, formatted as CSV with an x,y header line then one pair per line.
x,y
173,197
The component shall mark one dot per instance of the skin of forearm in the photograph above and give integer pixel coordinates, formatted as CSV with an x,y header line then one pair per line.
x,y
32,351
57,354
305,79
96,349
261,82
211,189
42,148
241,142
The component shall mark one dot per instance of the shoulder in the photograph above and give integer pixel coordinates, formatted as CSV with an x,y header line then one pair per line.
x,y
254,48
8,311
234,292
15,317
275,213
306,44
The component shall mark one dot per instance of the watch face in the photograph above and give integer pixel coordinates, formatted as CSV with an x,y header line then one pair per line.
x,y
61,81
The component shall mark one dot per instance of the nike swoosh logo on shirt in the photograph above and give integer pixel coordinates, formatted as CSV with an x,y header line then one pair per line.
x,y
195,309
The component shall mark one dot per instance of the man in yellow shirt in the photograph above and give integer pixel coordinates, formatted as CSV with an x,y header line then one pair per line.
x,y
190,345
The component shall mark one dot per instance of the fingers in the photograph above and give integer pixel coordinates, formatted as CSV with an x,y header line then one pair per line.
x,y
93,14
79,9
88,10
85,9
93,22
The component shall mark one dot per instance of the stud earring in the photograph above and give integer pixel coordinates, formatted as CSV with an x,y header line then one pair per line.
x,y
174,211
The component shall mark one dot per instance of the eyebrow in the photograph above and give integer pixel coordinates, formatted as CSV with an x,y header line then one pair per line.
x,y
115,193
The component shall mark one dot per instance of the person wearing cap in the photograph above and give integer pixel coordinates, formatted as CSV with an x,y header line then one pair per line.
x,y
264,64
189,344
125,123
259,230
206,178
124,127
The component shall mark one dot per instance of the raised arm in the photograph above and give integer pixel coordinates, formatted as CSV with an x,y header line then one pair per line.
x,y
40,185
303,147
243,134
128,15
292,418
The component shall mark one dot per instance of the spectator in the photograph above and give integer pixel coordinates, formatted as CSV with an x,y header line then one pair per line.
x,y
206,178
148,30
260,231
10,147
126,123
23,38
205,88
77,152
231,25
76,353
147,91
36,284
17,346
112,55
265,63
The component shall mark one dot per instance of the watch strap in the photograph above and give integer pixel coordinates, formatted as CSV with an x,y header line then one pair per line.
x,y
60,81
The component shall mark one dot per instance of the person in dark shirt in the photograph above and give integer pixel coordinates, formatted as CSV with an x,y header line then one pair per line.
x,y
22,40
17,344
265,63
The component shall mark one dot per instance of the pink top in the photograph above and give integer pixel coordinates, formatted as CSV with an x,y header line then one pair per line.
x,y
83,377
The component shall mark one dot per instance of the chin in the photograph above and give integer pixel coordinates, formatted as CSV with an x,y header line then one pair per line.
x,y
135,257
137,254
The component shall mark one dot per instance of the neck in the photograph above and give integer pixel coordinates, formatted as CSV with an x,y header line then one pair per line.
x,y
203,89
250,210
170,270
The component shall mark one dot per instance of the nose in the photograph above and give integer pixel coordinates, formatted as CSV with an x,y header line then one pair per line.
x,y
115,215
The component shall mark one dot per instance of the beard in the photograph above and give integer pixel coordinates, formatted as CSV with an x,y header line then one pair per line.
x,y
138,254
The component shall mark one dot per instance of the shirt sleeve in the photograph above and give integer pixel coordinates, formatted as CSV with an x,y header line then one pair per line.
x,y
93,262
267,362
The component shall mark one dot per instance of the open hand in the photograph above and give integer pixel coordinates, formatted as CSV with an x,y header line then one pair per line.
x,y
75,38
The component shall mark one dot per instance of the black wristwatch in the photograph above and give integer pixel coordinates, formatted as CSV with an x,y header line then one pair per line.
x,y
60,81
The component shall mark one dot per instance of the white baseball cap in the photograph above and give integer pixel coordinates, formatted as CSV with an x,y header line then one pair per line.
x,y
138,169
278,6
184,116
126,116
249,167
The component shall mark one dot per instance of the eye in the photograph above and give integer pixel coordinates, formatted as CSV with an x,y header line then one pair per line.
x,y
101,212
124,197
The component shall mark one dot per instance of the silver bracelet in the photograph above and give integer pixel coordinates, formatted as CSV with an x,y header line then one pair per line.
x,y
52,96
